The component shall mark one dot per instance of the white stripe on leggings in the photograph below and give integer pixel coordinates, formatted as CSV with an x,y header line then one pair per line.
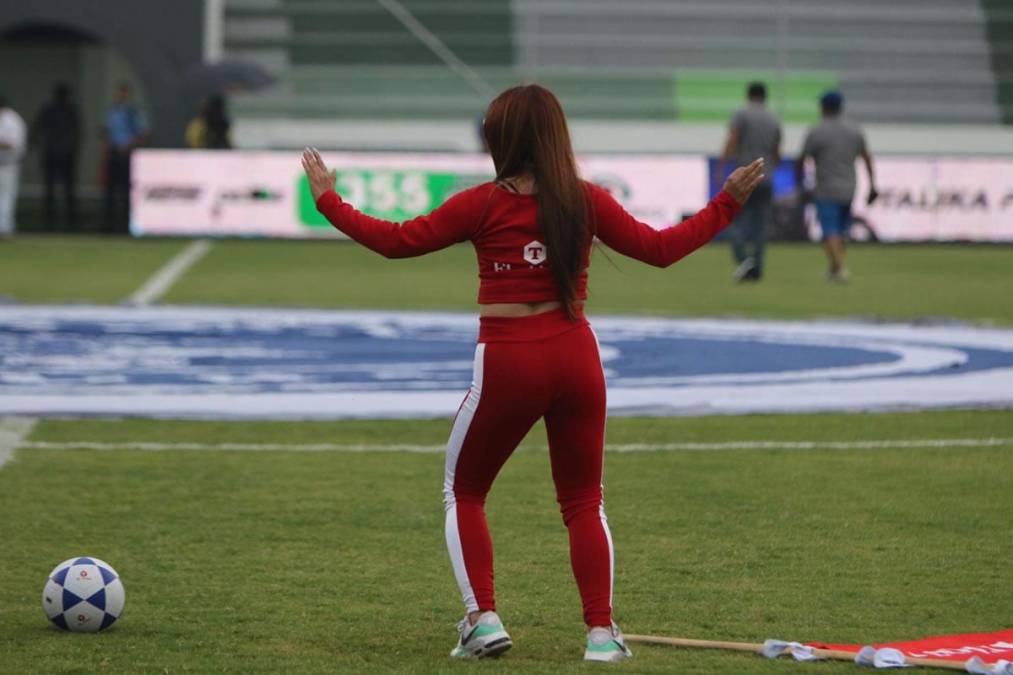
x,y
454,445
601,506
612,552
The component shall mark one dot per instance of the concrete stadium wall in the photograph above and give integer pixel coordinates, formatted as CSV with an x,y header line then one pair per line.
x,y
93,67
127,26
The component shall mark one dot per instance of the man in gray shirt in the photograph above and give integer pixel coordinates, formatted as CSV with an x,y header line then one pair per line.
x,y
753,132
834,144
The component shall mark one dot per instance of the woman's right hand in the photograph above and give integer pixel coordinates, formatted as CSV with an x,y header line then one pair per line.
x,y
321,180
744,180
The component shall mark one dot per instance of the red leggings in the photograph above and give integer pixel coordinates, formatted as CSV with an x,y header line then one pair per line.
x,y
525,369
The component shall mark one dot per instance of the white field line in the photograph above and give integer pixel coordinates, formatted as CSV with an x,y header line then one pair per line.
x,y
162,280
13,431
619,447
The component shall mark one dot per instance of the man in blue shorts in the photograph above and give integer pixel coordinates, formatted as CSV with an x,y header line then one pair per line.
x,y
834,144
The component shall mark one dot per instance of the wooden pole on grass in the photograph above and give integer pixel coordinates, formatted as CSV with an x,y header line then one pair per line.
x,y
757,648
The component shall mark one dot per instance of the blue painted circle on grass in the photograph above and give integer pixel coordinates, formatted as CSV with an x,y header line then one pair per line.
x,y
68,355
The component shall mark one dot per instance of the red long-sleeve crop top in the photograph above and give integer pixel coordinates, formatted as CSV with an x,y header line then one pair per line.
x,y
503,227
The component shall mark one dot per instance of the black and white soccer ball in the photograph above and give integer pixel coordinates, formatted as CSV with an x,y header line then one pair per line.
x,y
83,595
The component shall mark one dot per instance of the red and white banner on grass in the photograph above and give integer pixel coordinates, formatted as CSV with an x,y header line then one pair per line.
x,y
989,647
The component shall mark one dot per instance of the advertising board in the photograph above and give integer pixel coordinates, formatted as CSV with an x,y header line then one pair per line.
x,y
265,194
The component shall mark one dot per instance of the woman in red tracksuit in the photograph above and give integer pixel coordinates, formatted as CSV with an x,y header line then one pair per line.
x,y
537,357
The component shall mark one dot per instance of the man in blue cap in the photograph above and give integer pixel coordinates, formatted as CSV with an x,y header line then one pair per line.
x,y
834,144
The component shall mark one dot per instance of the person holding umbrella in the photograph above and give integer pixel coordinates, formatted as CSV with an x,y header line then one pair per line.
x,y
211,129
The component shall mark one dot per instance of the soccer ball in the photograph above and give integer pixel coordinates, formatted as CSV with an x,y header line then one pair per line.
x,y
83,595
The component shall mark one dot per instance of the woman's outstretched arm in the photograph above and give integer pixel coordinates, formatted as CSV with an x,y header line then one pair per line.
x,y
451,223
627,235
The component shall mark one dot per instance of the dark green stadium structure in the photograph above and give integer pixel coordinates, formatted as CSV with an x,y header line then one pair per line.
x,y
906,61
1000,38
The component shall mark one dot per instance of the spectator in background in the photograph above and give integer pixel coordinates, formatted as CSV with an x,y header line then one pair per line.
x,y
753,132
125,129
211,128
12,148
834,144
57,127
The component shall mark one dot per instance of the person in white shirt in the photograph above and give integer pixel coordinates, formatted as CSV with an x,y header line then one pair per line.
x,y
12,148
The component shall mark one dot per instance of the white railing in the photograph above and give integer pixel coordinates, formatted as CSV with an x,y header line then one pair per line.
x,y
214,30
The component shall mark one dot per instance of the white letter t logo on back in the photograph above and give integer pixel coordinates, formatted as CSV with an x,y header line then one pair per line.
x,y
534,253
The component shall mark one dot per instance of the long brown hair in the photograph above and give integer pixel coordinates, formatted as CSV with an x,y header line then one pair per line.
x,y
525,131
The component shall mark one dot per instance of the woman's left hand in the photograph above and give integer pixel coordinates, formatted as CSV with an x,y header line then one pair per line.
x,y
321,180
744,180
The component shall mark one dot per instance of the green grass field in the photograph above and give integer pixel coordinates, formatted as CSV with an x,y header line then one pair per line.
x,y
78,269
314,562
893,282
291,562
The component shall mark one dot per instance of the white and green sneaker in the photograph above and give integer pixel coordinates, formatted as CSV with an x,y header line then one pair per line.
x,y
485,638
606,644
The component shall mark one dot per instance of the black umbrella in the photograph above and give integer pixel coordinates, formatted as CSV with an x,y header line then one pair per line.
x,y
227,75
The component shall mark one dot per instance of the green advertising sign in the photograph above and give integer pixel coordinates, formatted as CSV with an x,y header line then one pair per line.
x,y
388,194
